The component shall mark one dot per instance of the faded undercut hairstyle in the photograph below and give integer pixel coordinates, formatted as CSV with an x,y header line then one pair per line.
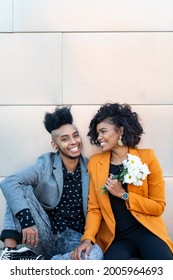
x,y
59,117
118,115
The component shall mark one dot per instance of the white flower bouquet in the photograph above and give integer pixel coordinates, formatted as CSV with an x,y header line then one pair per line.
x,y
134,171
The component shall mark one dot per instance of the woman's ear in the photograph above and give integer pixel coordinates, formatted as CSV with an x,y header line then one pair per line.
x,y
54,146
121,130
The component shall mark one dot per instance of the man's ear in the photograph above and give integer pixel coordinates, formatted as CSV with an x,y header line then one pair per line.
x,y
54,146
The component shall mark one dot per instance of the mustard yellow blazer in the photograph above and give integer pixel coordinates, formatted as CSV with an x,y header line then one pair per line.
x,y
146,202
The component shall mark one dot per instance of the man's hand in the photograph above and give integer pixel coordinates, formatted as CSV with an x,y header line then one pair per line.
x,y
30,236
84,246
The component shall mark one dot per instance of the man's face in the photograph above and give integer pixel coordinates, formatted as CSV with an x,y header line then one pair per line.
x,y
67,141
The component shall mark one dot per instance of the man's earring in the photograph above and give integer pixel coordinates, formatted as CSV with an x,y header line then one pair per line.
x,y
120,143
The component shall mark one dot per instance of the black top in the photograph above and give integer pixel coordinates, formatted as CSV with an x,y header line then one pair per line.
x,y
69,211
125,222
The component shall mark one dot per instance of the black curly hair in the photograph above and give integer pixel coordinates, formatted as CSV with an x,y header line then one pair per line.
x,y
118,115
59,117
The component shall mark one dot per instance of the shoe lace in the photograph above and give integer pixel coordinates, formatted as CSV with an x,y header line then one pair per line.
x,y
6,256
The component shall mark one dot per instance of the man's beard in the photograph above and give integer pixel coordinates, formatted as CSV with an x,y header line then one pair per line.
x,y
67,156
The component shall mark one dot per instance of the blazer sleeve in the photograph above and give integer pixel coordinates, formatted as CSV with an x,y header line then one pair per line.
x,y
12,186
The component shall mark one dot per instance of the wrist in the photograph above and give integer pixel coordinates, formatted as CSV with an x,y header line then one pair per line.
x,y
125,195
87,241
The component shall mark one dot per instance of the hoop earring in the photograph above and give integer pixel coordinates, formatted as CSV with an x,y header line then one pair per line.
x,y
120,143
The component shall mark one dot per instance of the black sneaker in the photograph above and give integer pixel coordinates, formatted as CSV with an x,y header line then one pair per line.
x,y
20,254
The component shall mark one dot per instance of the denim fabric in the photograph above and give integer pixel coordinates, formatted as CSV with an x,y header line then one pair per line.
x,y
95,254
50,245
10,221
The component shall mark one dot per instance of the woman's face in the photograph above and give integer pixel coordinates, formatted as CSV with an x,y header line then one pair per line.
x,y
108,135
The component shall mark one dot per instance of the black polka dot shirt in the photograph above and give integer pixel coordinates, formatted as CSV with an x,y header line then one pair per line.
x,y
25,218
69,211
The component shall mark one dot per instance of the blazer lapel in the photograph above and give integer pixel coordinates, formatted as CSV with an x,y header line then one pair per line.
x,y
103,173
85,184
57,171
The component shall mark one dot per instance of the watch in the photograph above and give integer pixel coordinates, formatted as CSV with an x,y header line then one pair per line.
x,y
124,196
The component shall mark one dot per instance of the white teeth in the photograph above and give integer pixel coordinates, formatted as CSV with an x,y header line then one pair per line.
x,y
74,149
102,144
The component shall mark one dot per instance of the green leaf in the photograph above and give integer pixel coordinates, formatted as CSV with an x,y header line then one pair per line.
x,y
103,190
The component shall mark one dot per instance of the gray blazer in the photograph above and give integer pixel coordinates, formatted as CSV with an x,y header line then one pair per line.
x,y
46,179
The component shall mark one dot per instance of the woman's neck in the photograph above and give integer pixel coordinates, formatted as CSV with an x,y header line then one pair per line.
x,y
119,155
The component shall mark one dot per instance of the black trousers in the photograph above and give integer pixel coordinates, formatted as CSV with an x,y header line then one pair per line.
x,y
141,244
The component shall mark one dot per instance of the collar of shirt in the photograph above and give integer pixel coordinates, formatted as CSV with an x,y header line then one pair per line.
x,y
66,173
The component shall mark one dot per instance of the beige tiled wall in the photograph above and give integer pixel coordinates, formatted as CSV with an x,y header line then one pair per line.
x,y
31,68
126,66
84,53
97,15
6,12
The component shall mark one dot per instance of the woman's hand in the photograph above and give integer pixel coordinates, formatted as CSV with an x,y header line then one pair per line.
x,y
30,236
84,246
114,187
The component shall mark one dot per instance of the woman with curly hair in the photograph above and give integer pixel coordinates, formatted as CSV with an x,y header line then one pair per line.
x,y
127,195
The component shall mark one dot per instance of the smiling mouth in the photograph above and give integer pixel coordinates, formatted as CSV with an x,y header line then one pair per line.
x,y
102,144
75,149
